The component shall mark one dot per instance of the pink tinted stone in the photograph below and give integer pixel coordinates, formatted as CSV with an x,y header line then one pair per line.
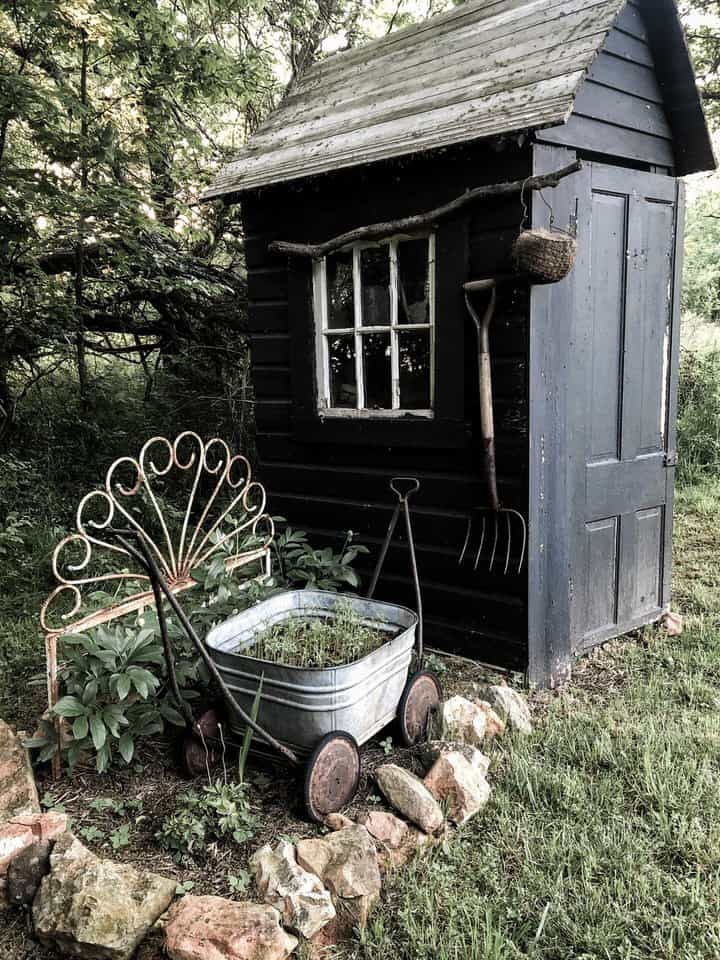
x,y
212,928
22,831
386,827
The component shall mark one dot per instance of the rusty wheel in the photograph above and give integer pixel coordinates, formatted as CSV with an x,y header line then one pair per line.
x,y
420,697
194,758
332,775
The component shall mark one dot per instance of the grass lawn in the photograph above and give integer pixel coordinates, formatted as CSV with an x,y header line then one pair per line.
x,y
602,837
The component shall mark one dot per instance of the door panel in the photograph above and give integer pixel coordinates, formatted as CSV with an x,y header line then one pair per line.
x,y
609,225
625,325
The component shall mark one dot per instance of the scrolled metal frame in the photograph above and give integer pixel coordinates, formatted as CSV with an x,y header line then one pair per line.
x,y
177,556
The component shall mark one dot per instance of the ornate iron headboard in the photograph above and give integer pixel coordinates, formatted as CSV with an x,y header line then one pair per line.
x,y
228,520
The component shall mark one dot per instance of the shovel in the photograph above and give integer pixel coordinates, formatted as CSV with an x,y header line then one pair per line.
x,y
493,531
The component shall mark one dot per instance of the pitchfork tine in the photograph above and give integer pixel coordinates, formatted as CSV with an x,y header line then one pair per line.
x,y
479,549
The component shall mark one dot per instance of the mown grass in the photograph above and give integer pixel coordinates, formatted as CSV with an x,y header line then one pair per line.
x,y
602,838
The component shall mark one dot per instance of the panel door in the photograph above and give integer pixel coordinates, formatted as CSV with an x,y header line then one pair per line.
x,y
625,384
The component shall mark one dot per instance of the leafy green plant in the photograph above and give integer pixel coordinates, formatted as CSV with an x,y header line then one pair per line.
x,y
120,837
387,746
238,882
302,565
114,693
318,642
219,811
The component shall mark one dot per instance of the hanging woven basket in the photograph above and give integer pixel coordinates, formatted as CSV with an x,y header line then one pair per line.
x,y
547,256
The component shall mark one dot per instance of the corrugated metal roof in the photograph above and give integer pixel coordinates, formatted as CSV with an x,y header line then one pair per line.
x,y
486,67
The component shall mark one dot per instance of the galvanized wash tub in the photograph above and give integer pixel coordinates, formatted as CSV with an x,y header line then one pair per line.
x,y
299,705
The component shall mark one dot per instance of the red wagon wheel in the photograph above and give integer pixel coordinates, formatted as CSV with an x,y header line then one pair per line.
x,y
422,695
332,775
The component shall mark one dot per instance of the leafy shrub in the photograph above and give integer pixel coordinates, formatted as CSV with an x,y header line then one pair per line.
x,y
699,415
303,566
116,691
219,811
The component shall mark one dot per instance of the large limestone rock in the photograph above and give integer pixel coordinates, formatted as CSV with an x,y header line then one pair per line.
x,y
303,902
385,827
212,928
18,793
461,720
94,908
20,833
432,750
347,864
511,706
409,795
494,725
461,787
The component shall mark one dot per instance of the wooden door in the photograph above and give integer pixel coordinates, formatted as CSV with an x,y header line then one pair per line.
x,y
623,386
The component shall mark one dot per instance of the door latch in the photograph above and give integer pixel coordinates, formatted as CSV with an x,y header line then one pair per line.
x,y
671,458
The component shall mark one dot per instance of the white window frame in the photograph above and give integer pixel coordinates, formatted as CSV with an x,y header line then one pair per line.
x,y
323,332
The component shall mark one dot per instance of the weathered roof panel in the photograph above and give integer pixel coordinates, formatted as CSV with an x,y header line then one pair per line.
x,y
485,68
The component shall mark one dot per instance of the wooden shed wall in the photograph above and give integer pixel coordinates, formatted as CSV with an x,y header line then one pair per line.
x,y
329,480
619,110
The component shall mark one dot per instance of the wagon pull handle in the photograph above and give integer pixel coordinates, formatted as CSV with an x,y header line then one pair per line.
x,y
397,484
403,488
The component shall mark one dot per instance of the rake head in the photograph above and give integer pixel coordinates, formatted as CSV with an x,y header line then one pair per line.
x,y
493,538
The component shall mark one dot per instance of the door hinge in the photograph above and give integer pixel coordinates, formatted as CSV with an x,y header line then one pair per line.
x,y
671,458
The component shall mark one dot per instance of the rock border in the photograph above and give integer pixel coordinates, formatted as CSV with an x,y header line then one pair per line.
x,y
315,891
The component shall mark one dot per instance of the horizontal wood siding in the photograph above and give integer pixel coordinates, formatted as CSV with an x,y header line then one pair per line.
x,y
331,486
619,111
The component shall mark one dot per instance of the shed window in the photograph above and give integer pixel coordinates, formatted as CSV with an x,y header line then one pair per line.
x,y
375,319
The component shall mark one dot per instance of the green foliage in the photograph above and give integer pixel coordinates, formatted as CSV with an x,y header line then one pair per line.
x,y
219,811
318,642
699,416
701,276
323,569
114,692
238,882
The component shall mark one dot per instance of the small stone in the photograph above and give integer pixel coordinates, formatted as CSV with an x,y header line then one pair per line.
x,y
26,871
511,706
494,725
432,750
22,832
673,623
212,928
304,904
456,783
337,821
409,795
347,863
18,793
96,909
386,827
460,719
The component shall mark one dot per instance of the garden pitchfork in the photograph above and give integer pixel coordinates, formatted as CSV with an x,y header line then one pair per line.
x,y
491,529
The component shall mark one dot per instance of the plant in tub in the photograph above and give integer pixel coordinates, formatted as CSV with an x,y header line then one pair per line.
x,y
318,642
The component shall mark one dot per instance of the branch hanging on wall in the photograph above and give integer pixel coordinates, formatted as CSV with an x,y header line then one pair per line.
x,y
376,231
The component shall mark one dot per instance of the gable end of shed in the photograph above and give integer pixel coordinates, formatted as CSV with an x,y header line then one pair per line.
x,y
639,102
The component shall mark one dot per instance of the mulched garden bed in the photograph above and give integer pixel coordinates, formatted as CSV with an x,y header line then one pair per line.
x,y
117,814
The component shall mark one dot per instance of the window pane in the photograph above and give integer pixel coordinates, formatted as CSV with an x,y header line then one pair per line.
x,y
415,369
343,391
341,309
413,281
377,371
375,278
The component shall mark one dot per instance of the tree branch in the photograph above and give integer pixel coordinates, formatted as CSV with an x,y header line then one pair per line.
x,y
376,231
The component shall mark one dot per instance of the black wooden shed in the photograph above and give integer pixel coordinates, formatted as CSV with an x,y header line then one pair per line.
x,y
585,370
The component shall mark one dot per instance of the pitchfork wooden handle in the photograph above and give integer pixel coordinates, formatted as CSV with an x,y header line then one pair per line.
x,y
413,487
